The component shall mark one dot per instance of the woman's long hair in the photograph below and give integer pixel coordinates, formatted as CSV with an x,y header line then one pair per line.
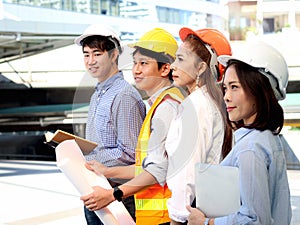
x,y
213,88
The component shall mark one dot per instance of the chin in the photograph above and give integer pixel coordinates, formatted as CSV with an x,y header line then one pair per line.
x,y
175,83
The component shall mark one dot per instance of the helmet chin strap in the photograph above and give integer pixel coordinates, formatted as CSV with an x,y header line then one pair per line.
x,y
117,46
213,62
274,83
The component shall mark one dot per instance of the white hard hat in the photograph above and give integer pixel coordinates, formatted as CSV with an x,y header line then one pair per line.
x,y
97,29
269,62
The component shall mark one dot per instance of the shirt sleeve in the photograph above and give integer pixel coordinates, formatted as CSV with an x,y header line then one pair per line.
x,y
156,161
255,208
118,145
128,115
193,138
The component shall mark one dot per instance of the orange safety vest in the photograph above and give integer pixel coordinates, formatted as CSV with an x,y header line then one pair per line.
x,y
151,203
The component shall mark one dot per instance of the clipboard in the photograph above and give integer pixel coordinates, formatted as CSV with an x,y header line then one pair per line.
x,y
59,136
217,189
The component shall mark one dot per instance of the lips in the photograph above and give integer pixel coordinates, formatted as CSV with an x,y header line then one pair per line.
x,y
138,79
230,108
175,76
93,69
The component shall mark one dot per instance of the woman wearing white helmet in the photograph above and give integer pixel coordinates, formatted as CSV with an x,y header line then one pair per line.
x,y
254,82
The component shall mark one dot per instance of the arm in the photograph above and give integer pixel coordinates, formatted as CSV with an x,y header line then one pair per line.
x,y
102,197
115,127
128,116
122,172
197,217
156,161
192,138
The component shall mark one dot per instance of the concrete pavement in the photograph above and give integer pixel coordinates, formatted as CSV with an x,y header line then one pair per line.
x,y
37,193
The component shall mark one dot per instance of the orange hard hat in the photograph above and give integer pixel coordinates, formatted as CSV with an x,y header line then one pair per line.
x,y
216,43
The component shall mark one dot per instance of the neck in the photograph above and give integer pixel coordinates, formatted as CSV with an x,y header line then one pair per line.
x,y
193,88
109,75
163,84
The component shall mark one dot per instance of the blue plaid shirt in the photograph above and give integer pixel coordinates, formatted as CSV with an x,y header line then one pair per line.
x,y
116,114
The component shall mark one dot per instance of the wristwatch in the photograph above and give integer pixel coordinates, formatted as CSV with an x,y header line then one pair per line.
x,y
118,194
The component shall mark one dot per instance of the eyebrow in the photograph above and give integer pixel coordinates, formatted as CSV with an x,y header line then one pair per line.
x,y
95,50
231,82
179,54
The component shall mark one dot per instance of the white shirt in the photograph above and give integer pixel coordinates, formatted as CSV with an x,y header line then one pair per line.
x,y
156,161
195,135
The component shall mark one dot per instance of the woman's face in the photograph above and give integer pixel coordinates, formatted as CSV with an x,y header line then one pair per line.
x,y
184,67
239,104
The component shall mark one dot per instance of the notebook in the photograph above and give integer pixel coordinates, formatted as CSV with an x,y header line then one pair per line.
x,y
217,189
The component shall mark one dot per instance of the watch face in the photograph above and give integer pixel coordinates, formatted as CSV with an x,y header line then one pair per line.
x,y
118,194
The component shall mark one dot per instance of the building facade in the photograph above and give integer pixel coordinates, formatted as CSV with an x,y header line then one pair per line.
x,y
262,17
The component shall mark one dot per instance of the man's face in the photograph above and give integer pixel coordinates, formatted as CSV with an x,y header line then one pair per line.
x,y
146,74
97,63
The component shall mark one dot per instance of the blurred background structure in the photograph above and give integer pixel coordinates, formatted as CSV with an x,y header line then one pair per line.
x,y
43,86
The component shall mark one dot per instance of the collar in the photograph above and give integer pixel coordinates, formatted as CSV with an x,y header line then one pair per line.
x,y
105,85
152,98
241,132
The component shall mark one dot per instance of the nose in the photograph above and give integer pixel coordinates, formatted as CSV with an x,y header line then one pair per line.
x,y
136,68
226,96
172,66
91,60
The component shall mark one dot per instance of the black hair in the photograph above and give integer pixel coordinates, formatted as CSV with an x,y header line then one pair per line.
x,y
102,43
160,57
269,112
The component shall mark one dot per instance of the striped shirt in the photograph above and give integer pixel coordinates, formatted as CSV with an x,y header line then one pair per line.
x,y
116,114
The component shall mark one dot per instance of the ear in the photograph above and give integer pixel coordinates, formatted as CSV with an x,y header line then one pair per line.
x,y
165,69
114,55
202,66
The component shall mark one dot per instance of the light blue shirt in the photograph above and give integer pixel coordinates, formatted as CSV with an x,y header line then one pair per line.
x,y
265,194
116,114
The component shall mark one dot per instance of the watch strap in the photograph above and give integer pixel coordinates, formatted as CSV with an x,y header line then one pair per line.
x,y
118,193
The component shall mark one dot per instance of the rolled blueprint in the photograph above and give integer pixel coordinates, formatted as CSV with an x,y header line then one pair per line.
x,y
71,162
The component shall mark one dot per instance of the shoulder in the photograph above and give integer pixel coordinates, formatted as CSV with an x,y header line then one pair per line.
x,y
259,143
168,104
122,89
203,105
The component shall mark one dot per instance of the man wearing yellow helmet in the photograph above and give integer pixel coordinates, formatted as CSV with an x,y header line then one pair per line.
x,y
152,57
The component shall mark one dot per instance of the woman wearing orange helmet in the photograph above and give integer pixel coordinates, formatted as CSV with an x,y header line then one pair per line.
x,y
198,133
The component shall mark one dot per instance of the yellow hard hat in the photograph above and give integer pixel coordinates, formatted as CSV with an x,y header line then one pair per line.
x,y
158,40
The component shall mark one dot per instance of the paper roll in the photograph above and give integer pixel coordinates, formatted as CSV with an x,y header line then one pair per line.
x,y
71,162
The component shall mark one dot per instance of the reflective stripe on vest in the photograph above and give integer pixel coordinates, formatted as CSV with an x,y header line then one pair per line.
x,y
151,203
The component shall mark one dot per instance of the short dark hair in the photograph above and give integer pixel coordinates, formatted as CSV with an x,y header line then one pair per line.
x,y
102,43
160,57
269,112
